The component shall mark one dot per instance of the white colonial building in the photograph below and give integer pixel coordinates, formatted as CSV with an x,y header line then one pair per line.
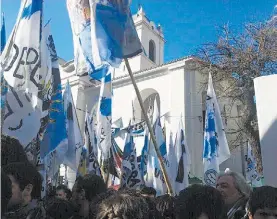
x,y
177,86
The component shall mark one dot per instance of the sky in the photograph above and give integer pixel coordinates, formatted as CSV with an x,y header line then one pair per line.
x,y
187,24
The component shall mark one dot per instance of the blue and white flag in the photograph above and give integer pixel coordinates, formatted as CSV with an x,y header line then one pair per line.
x,y
75,140
103,32
130,174
4,88
83,163
154,173
215,149
91,146
252,174
144,154
104,115
54,143
3,34
21,58
22,66
172,173
183,160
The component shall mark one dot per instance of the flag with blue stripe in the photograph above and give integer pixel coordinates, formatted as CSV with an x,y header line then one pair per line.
x,y
155,177
3,33
4,88
130,174
75,140
54,144
215,149
103,32
104,114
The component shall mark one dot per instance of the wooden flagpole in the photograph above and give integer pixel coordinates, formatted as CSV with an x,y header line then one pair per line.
x,y
165,175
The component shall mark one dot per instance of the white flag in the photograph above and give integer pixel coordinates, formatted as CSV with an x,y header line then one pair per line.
x,y
251,172
215,149
154,173
21,63
183,159
131,177
90,143
104,115
75,140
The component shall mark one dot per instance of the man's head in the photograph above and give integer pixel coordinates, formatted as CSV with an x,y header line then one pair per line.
x,y
59,208
199,202
148,191
232,186
123,204
26,183
62,192
87,187
165,205
262,203
6,192
11,151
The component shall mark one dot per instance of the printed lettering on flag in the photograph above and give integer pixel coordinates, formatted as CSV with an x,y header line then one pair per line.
x,y
130,177
93,165
21,66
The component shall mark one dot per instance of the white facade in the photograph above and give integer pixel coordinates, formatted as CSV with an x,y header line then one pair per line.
x,y
177,86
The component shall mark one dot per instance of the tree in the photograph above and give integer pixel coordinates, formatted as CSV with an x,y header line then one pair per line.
x,y
234,61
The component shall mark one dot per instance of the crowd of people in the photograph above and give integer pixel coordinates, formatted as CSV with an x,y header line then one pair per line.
x,y
21,186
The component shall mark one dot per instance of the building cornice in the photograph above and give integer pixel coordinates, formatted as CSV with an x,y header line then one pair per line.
x,y
152,72
188,62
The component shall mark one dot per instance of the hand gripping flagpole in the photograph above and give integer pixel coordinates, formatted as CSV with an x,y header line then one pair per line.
x,y
165,175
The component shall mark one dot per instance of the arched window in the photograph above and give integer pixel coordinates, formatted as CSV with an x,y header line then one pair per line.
x,y
152,51
148,95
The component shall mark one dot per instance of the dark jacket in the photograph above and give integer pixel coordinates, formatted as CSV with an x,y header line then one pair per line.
x,y
238,210
34,210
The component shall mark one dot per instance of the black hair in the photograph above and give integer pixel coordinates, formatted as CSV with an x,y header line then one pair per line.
x,y
262,197
11,151
24,174
165,205
97,200
66,191
61,209
148,191
92,185
198,199
6,192
123,205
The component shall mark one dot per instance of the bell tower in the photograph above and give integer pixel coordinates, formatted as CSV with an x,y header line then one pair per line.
x,y
152,40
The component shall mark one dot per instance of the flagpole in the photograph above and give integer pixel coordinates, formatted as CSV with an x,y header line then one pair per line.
x,y
165,175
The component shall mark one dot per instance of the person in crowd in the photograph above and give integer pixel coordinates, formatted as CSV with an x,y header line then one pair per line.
x,y
11,151
26,192
98,199
123,205
262,203
61,209
148,191
235,191
200,202
6,193
165,205
63,192
84,190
